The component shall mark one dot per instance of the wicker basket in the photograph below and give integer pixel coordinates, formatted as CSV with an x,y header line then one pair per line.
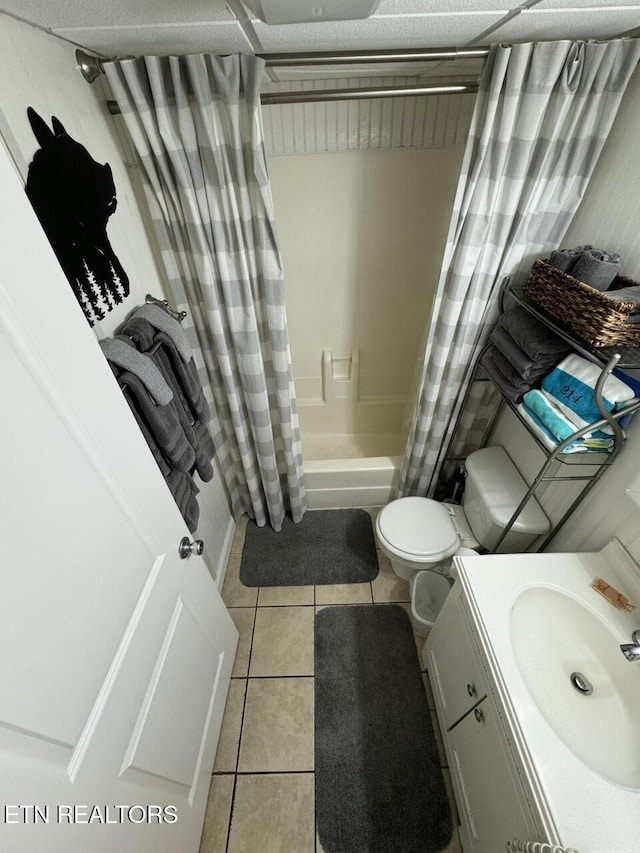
x,y
593,317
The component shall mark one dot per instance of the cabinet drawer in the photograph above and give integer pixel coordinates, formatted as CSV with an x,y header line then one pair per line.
x,y
455,670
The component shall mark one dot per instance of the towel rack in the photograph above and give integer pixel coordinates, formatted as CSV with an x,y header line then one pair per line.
x,y
152,300
177,315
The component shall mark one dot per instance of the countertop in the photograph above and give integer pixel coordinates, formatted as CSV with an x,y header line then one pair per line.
x,y
580,808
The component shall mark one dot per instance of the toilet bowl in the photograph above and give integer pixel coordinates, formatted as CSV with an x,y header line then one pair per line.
x,y
418,534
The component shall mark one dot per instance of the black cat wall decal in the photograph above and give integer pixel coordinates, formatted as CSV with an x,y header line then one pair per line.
x,y
73,197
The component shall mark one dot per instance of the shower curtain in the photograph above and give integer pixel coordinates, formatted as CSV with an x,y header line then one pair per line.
x,y
542,115
196,126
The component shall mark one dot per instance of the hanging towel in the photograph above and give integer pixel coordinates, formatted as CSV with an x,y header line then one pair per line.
x,y
180,483
550,442
192,417
160,319
162,420
120,352
571,386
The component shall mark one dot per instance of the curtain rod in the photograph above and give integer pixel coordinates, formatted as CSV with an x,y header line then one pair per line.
x,y
313,95
92,67
356,57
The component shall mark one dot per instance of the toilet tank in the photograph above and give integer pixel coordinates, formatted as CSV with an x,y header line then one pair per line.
x,y
493,491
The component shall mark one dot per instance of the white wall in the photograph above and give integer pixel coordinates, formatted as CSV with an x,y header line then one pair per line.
x,y
38,70
608,217
362,235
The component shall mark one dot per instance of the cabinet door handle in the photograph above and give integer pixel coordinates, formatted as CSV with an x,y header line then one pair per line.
x,y
479,715
471,689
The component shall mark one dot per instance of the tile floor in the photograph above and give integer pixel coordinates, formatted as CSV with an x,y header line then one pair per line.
x,y
262,790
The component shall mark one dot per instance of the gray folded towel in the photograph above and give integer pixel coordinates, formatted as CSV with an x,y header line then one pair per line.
x,y
511,392
509,372
625,294
597,269
532,336
527,368
119,352
162,320
592,266
564,259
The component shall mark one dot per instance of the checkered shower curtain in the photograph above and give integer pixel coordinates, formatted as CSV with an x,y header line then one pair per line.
x,y
196,126
542,115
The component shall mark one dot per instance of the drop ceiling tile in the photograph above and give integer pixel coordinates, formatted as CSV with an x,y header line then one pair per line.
x,y
419,7
541,25
163,40
446,30
55,14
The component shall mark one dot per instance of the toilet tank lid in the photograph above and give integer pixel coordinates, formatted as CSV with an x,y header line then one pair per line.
x,y
418,526
499,484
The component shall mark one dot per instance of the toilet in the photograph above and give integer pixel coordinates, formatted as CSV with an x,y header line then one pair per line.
x,y
418,534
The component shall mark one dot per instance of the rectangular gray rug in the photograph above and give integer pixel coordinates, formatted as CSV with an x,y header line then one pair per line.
x,y
379,787
327,546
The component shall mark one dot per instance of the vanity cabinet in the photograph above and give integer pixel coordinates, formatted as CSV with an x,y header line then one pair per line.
x,y
493,801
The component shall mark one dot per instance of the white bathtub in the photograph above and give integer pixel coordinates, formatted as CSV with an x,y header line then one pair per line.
x,y
351,470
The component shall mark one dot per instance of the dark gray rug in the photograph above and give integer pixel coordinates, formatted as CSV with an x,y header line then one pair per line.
x,y
327,546
379,787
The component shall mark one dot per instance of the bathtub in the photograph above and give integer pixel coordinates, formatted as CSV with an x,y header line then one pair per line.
x,y
351,470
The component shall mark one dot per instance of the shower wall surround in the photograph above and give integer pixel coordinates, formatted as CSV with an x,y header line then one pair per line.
x,y
363,193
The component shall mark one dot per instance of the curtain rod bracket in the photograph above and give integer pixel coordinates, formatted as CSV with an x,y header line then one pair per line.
x,y
89,66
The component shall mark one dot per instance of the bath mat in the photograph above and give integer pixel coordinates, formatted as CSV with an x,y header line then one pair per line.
x,y
379,787
327,546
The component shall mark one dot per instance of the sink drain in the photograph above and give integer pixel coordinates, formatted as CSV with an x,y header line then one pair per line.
x,y
581,683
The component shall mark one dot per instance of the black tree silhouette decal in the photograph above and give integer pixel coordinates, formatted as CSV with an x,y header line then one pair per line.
x,y
73,197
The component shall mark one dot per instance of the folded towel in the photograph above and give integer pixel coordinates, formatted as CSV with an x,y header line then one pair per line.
x,y
592,266
625,294
528,369
571,386
577,446
565,259
160,319
510,391
502,363
535,339
553,418
597,269
120,352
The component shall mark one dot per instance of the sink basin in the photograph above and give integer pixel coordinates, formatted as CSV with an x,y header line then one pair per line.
x,y
553,636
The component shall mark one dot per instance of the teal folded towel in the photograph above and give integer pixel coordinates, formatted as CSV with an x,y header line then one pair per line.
x,y
580,445
554,420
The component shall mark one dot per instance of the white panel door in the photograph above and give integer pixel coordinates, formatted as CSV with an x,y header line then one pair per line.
x,y
115,654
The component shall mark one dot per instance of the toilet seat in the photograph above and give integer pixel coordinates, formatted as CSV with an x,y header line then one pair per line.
x,y
417,529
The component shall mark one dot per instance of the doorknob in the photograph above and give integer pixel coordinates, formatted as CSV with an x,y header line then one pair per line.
x,y
186,547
